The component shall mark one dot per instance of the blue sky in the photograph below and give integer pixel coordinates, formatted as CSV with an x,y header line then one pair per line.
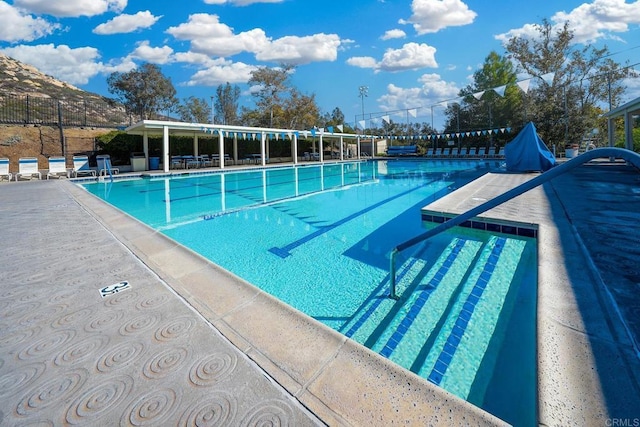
x,y
410,54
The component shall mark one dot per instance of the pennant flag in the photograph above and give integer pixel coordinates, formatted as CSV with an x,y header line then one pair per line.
x,y
548,78
340,128
385,118
413,112
478,95
330,129
361,123
313,132
509,130
468,133
524,85
500,90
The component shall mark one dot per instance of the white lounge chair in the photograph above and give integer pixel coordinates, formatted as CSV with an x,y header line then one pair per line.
x,y
4,169
81,167
57,167
28,167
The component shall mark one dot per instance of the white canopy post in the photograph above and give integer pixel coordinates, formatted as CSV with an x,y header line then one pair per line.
x,y
341,147
195,145
145,148
294,148
235,148
263,143
165,148
221,147
321,148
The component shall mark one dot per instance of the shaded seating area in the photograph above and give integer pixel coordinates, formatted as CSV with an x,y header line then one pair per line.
x,y
402,150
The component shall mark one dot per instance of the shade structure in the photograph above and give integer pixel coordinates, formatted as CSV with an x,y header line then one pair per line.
x,y
527,152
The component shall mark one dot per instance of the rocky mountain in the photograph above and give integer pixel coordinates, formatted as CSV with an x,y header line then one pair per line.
x,y
17,78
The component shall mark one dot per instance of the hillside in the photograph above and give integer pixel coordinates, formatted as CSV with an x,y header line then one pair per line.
x,y
17,78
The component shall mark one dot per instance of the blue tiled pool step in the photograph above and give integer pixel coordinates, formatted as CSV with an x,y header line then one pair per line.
x,y
419,303
461,323
421,307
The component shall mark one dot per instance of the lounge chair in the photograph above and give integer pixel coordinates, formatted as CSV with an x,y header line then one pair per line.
x,y
472,152
481,152
429,152
438,152
57,167
445,152
28,167
501,153
81,167
492,152
4,169
463,152
104,165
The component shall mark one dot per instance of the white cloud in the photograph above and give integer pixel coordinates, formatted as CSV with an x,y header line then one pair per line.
x,y
411,56
241,2
431,16
301,50
156,55
16,26
393,34
589,21
71,8
362,62
208,35
432,90
123,24
215,75
75,66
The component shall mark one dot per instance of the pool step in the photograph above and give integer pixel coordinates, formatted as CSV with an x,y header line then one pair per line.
x,y
443,325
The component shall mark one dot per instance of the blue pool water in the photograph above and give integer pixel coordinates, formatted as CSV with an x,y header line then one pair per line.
x,y
318,238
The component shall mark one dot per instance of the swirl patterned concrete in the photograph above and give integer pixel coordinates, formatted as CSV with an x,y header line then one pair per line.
x,y
140,357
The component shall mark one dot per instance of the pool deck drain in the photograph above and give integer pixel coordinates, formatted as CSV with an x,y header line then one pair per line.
x,y
195,338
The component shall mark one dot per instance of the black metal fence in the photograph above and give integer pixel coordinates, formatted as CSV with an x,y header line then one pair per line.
x,y
29,109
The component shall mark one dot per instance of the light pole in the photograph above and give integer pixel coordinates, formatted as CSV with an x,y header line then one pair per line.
x,y
364,91
212,121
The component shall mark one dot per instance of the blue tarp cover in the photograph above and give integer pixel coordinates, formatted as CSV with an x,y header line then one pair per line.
x,y
527,152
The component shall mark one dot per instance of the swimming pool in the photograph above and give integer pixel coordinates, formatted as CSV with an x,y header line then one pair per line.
x,y
318,238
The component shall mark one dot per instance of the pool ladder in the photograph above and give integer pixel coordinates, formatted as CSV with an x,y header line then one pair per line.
x,y
610,152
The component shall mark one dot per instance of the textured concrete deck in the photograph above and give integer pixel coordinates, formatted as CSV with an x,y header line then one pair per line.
x,y
189,341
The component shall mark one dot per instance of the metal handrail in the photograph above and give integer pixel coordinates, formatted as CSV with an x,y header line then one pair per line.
x,y
610,152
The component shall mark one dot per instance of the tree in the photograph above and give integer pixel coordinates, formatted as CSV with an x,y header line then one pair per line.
x,y
278,103
194,110
144,91
491,109
227,104
566,108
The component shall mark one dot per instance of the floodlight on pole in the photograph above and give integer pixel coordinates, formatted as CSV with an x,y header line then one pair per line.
x,y
364,91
